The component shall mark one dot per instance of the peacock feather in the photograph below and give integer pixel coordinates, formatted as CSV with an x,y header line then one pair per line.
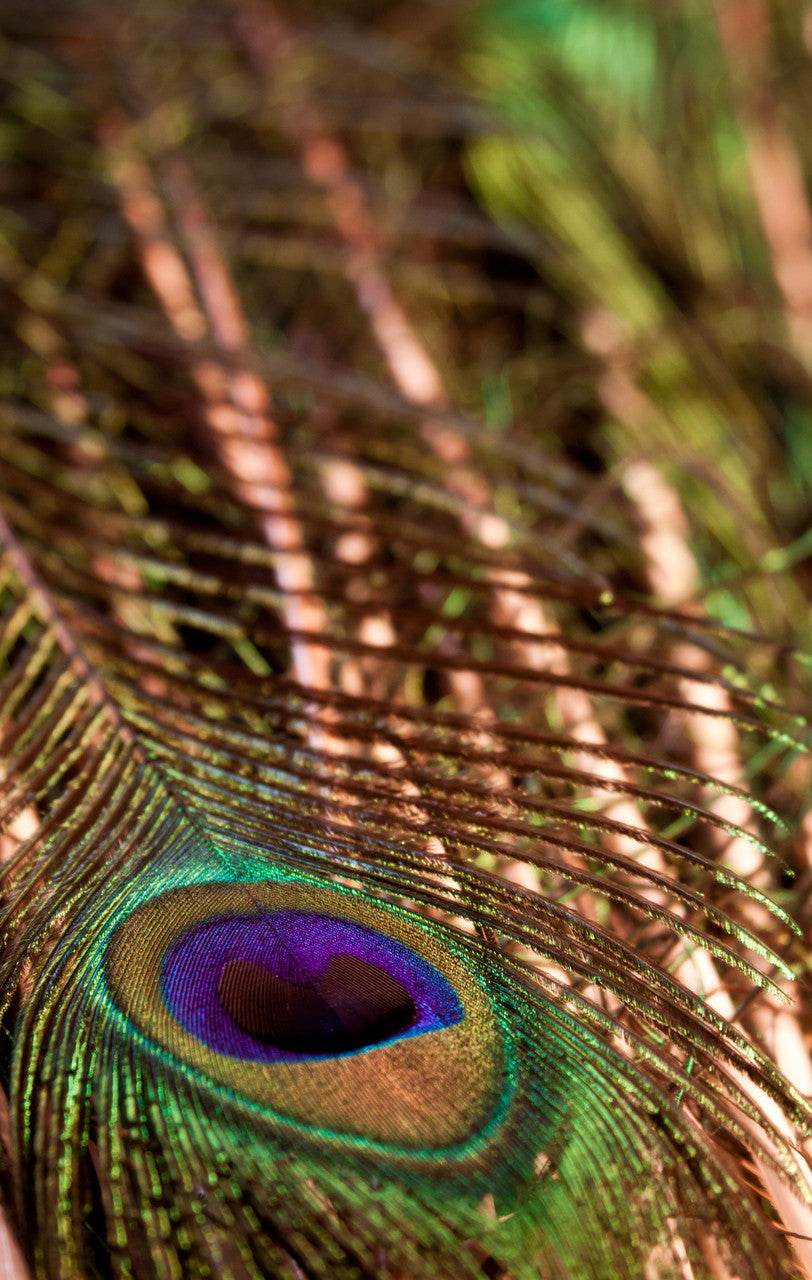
x,y
403,476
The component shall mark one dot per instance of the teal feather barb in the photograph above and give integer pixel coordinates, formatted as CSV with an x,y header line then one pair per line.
x,y
368,908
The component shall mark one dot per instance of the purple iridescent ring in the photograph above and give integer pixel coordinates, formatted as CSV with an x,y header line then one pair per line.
x,y
293,985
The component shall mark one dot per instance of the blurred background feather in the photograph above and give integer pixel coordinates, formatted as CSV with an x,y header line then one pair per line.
x,y
405,465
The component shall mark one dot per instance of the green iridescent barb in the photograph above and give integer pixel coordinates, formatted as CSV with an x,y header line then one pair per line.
x,y
384,819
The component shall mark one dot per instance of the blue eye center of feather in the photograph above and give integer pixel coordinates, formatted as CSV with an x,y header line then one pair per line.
x,y
288,985
350,1006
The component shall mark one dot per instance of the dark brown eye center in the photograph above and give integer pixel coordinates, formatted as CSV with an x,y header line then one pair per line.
x,y
352,1005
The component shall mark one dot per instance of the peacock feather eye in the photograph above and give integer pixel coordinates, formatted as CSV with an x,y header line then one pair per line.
x,y
315,1005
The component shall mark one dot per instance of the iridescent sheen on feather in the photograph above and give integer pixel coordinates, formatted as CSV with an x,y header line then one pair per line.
x,y
316,1005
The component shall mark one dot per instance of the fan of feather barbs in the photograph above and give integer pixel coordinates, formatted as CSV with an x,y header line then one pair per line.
x,y
395,869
